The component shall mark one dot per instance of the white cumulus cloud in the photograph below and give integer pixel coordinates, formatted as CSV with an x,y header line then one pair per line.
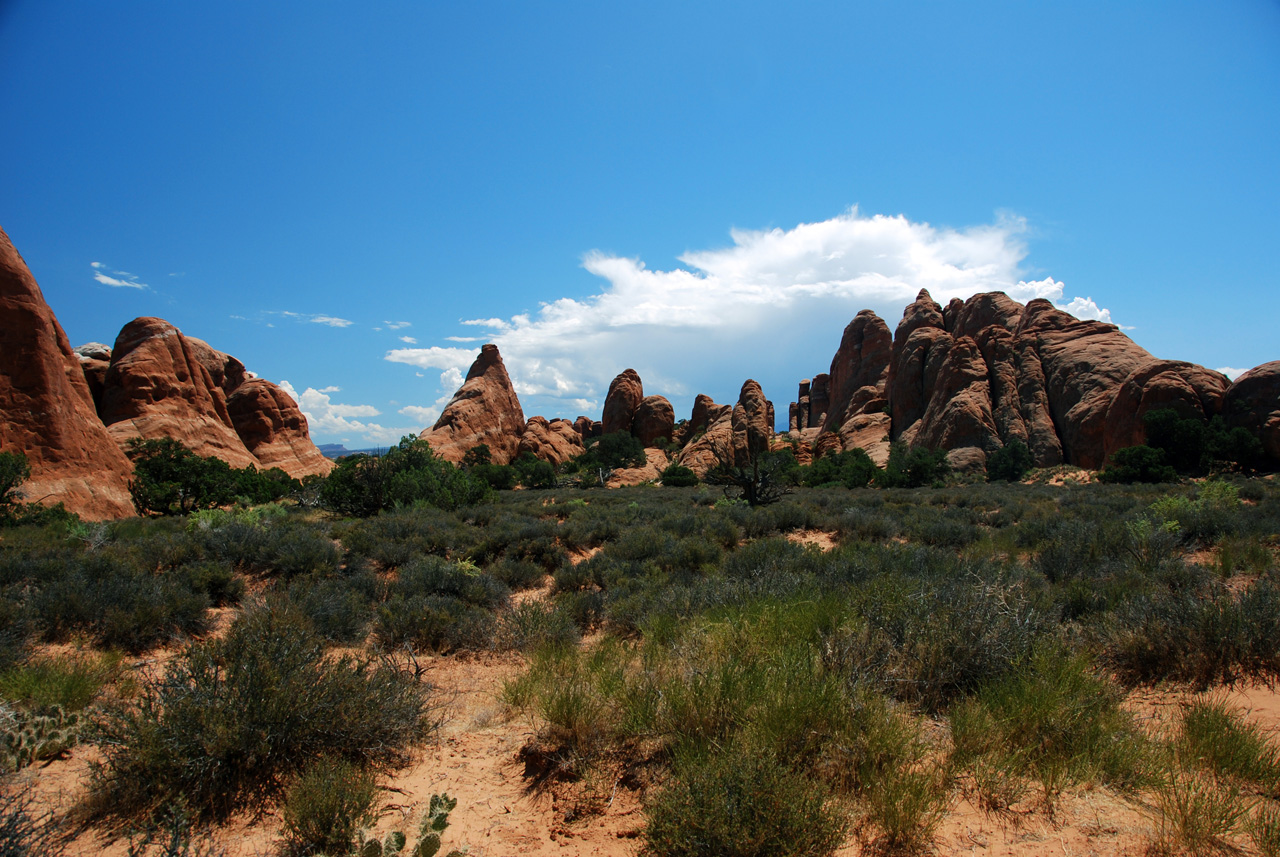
x,y
327,417
769,306
1231,372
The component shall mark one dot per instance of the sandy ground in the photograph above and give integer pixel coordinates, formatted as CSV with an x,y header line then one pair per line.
x,y
476,757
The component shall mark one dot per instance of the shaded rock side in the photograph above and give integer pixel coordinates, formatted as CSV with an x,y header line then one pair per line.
x,y
626,392
156,387
226,372
654,419
484,410
273,428
1253,402
859,370
95,359
48,411
555,441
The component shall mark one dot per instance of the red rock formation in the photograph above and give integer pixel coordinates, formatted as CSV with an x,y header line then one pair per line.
x,y
227,372
273,428
156,387
1253,402
859,370
48,412
626,392
705,412
819,400
587,428
556,441
988,371
654,419
733,434
484,410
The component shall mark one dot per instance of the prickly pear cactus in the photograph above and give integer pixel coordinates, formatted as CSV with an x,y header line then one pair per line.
x,y
28,738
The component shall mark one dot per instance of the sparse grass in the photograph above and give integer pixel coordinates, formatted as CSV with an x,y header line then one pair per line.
x,y
1219,739
1198,813
70,683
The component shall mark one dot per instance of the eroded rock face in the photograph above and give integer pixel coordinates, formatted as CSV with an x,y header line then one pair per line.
x,y
484,410
626,392
156,387
1253,402
555,441
655,419
274,429
47,410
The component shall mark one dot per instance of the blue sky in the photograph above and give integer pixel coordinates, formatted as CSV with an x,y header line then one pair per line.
x,y
353,198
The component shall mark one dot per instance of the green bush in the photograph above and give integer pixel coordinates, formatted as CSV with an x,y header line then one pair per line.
x,y
614,450
233,719
169,479
678,476
408,473
850,469
738,804
1138,464
913,467
1010,463
326,806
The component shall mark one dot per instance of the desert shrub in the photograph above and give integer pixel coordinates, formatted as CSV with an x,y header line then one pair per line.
x,y
440,606
232,719
1009,463
339,608
679,476
14,470
517,574
913,467
291,551
326,806
1192,443
1138,464
216,580
118,604
533,624
409,473
741,805
169,479
1192,636
764,479
395,537
929,642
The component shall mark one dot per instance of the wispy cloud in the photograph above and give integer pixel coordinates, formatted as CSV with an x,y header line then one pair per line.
x,y
1231,372
331,321
462,339
770,306
396,325
117,279
409,339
